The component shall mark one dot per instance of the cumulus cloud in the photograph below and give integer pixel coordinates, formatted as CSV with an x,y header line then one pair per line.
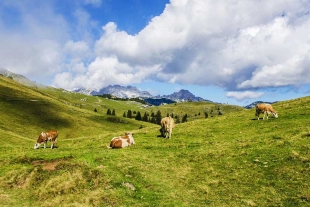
x,y
231,44
236,45
32,45
243,95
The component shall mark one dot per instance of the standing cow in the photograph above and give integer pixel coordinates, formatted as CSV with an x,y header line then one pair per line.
x,y
167,124
122,141
266,109
47,136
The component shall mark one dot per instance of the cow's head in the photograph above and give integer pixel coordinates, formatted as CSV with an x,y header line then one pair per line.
x,y
129,134
36,145
40,140
275,114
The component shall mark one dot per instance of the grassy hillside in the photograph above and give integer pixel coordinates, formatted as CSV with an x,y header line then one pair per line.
x,y
227,160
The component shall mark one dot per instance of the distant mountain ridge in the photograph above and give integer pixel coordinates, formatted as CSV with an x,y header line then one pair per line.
x,y
133,92
117,91
253,105
181,96
19,78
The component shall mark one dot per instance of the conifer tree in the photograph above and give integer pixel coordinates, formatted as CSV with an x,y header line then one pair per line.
x,y
153,120
158,117
184,119
129,114
145,118
109,112
138,116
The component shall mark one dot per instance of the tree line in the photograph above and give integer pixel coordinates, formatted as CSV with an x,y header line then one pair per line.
x,y
155,118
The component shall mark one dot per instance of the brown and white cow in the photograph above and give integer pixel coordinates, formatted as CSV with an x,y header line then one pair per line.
x,y
47,136
266,109
122,141
167,124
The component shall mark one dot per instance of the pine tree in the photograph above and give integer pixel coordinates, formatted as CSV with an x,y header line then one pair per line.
x,y
153,120
158,117
184,119
145,118
124,114
129,114
109,112
138,116
113,112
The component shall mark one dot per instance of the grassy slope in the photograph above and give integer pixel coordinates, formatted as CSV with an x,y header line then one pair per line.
x,y
229,160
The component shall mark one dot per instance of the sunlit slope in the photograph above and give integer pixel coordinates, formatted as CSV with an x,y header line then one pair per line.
x,y
26,111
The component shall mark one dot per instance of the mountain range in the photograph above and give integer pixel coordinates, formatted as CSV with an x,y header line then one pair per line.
x,y
253,105
133,92
124,92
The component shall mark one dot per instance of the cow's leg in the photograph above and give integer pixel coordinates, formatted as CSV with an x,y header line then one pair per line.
x,y
44,144
163,132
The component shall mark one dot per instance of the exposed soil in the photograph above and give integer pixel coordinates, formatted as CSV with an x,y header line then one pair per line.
x,y
50,166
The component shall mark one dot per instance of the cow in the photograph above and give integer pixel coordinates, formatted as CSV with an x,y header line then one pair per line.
x,y
47,136
167,124
122,141
266,109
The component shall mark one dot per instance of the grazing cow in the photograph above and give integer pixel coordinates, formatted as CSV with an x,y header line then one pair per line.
x,y
266,109
122,141
47,136
167,125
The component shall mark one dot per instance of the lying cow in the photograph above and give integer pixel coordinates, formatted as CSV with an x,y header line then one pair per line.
x,y
266,109
47,136
167,125
122,141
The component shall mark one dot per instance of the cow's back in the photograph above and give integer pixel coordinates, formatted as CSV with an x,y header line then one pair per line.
x,y
116,143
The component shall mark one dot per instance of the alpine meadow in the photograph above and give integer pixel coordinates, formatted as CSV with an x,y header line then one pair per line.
x,y
228,158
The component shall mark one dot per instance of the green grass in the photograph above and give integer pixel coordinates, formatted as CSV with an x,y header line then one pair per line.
x,y
228,160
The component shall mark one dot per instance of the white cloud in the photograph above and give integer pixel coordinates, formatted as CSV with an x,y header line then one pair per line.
x,y
240,96
76,49
234,44
227,44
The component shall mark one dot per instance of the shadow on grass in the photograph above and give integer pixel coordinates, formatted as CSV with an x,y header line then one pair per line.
x,y
31,109
306,135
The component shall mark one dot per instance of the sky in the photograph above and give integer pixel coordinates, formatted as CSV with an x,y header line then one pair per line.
x,y
226,51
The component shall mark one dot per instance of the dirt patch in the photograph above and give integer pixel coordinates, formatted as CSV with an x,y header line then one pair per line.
x,y
47,165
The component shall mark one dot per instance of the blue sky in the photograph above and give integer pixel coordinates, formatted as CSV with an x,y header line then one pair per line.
x,y
227,51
